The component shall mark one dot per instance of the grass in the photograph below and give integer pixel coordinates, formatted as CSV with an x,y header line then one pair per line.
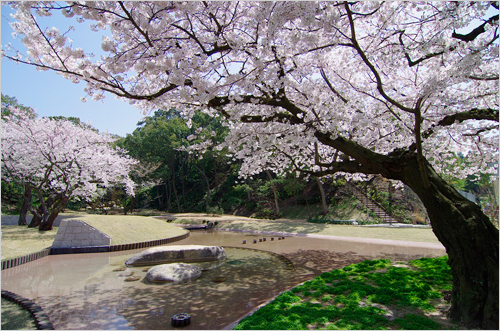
x,y
300,212
373,294
238,223
14,317
20,240
131,229
405,234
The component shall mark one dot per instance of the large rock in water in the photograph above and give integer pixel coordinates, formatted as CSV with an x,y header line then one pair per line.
x,y
173,272
179,253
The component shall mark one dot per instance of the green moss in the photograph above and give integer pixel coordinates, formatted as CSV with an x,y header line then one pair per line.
x,y
326,298
417,322
353,298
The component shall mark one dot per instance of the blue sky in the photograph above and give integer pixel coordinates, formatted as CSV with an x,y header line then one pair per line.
x,y
52,95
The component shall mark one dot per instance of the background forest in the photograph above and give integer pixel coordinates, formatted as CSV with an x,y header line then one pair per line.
x,y
173,178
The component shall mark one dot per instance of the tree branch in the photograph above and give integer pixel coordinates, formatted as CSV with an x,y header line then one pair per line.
x,y
478,132
323,74
278,117
113,88
332,168
131,19
372,162
484,78
365,59
412,63
473,114
284,103
489,114
418,144
476,32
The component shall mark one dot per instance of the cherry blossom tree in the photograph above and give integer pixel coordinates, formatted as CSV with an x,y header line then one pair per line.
x,y
57,160
358,88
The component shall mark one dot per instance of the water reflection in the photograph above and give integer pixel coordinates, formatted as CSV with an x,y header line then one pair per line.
x,y
82,291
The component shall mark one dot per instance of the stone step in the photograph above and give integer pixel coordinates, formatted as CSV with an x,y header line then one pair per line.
x,y
372,205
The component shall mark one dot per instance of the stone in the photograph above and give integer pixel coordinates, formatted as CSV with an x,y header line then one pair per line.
x,y
75,233
219,279
177,253
132,278
127,274
173,272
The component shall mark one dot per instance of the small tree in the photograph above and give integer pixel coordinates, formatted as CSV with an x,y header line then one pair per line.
x,y
57,160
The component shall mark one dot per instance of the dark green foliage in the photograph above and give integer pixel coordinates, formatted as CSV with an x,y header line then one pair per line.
x,y
210,184
12,197
353,298
402,205
184,181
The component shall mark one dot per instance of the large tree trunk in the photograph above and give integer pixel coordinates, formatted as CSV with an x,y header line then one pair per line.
x,y
471,242
37,217
45,215
26,205
129,207
470,239
57,207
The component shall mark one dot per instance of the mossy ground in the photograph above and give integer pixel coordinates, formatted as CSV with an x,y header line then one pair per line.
x,y
374,294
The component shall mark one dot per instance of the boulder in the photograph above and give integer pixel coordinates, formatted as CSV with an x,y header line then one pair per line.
x,y
177,253
173,272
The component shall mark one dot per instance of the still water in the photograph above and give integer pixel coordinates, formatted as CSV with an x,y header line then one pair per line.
x,y
82,291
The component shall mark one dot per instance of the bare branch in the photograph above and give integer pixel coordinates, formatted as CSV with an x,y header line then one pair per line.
x,y
323,74
412,63
478,132
134,23
484,78
476,32
365,59
473,114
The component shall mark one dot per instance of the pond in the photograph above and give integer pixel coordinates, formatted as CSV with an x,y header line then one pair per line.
x,y
82,291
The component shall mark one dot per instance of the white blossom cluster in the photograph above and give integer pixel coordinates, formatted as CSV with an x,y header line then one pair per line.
x,y
383,75
58,156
